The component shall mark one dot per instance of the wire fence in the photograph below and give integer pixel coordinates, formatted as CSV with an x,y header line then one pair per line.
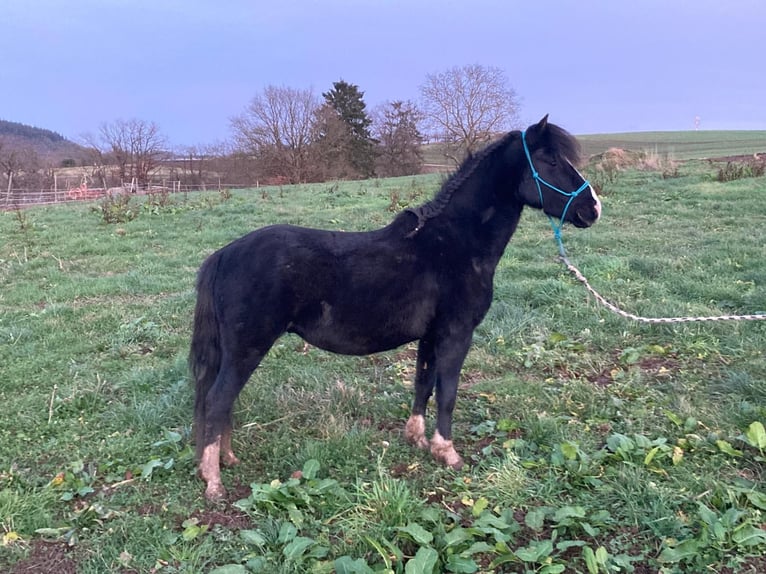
x,y
19,198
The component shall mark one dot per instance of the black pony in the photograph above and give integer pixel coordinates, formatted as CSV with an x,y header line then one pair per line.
x,y
426,276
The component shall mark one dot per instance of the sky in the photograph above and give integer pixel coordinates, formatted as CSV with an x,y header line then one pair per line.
x,y
191,65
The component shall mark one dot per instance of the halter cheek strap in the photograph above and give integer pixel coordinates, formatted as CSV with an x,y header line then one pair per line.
x,y
540,182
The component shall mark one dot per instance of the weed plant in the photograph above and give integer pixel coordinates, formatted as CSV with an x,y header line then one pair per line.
x,y
593,444
738,169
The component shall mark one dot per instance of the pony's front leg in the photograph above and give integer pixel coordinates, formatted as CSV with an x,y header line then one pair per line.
x,y
450,356
442,448
425,378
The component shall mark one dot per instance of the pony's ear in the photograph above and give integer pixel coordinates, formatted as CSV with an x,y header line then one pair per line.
x,y
536,132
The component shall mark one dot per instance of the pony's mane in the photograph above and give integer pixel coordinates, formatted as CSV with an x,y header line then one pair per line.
x,y
455,181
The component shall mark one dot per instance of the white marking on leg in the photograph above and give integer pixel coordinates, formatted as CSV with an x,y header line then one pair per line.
x,y
415,431
443,451
228,458
210,470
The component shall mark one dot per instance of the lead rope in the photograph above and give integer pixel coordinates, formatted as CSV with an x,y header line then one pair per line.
x,y
581,278
615,309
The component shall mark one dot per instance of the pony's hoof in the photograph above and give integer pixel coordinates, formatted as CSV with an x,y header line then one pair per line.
x,y
215,492
421,443
229,459
414,432
443,451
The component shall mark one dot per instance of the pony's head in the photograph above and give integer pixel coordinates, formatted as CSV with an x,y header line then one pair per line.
x,y
551,180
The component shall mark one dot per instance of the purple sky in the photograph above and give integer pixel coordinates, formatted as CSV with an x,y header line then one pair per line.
x,y
190,65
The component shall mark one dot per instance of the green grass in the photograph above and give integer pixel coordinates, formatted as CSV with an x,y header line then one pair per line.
x,y
594,444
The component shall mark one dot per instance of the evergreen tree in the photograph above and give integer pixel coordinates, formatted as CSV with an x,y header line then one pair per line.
x,y
348,102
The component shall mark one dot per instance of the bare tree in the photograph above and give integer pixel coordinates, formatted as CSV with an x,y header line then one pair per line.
x,y
19,163
10,159
276,128
211,165
98,162
190,164
465,106
136,146
208,164
399,148
228,164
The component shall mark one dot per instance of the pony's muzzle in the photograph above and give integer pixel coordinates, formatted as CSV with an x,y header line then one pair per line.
x,y
585,217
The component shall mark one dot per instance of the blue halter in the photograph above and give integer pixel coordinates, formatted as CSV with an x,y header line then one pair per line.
x,y
539,180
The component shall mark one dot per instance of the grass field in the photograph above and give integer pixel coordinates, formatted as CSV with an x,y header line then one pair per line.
x,y
703,144
593,444
679,145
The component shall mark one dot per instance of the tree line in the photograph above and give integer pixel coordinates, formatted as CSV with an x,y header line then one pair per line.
x,y
293,135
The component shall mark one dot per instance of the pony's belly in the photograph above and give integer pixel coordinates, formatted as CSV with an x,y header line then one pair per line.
x,y
361,326
352,341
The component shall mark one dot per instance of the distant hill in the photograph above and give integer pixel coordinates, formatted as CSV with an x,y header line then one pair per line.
x,y
51,147
29,132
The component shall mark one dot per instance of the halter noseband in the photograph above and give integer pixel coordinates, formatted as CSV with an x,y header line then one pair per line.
x,y
539,180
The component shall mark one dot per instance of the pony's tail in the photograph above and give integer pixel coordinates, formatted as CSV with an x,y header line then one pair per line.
x,y
205,351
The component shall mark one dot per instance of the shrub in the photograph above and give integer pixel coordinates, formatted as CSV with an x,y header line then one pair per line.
x,y
116,208
741,169
604,169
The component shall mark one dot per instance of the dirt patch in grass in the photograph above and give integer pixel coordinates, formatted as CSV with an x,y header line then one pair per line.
x,y
238,491
739,158
602,379
46,558
470,378
444,498
408,353
656,366
408,471
224,514
751,565
226,517
149,509
387,425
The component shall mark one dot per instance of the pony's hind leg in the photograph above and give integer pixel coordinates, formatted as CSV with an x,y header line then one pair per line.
x,y
425,378
219,403
210,471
